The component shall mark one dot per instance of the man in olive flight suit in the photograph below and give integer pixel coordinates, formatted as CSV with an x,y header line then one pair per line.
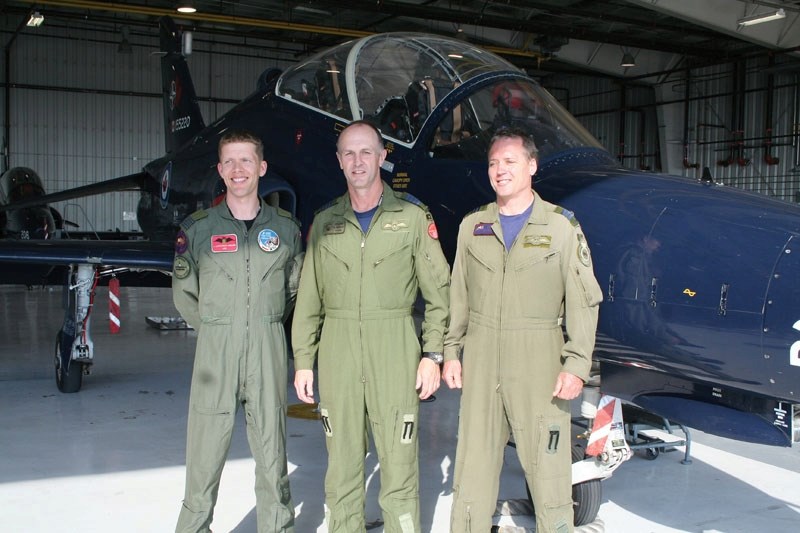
x,y
368,254
235,277
520,263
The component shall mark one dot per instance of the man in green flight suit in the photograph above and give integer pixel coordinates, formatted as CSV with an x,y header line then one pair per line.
x,y
235,278
520,263
368,254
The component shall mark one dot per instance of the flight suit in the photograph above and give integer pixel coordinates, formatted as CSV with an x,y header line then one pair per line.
x,y
235,286
353,317
505,309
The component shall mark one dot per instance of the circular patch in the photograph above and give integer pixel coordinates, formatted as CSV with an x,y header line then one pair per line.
x,y
268,240
433,233
181,268
583,254
181,243
165,178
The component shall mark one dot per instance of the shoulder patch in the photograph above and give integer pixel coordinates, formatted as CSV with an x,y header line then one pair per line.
x,y
194,217
287,214
410,198
569,215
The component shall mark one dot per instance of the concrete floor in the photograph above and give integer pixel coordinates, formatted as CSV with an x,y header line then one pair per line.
x,y
111,457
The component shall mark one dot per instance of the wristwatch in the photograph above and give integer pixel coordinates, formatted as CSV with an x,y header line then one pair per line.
x,y
436,357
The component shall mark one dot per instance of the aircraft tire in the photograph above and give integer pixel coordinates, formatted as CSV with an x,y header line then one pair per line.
x,y
586,496
67,382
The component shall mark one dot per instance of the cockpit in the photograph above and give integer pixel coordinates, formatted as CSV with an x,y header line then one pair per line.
x,y
398,80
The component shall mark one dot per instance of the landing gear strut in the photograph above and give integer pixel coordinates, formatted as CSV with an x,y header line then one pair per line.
x,y
74,347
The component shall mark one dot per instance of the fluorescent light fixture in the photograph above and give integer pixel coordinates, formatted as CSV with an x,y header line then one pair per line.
x,y
455,56
762,17
313,11
186,7
35,20
627,60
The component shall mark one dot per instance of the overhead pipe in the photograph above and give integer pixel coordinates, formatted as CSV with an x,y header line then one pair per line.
x,y
686,163
245,21
736,147
769,159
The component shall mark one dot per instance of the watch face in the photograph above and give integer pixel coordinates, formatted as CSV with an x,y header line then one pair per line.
x,y
435,357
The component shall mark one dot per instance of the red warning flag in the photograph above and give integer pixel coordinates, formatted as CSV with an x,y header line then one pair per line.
x,y
113,305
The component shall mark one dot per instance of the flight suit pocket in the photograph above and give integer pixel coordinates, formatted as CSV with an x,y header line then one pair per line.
x,y
390,271
539,286
335,272
480,271
218,285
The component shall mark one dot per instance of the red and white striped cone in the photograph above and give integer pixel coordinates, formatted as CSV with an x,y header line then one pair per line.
x,y
609,415
113,305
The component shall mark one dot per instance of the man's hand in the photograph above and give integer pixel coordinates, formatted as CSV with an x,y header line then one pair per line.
x,y
428,377
452,374
568,386
304,385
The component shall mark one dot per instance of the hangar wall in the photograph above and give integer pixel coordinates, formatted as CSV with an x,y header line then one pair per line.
x,y
740,124
81,112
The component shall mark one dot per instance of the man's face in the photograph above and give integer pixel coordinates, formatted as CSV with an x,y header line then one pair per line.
x,y
240,168
360,156
510,169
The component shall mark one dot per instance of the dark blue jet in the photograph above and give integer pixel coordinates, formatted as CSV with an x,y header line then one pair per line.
x,y
701,318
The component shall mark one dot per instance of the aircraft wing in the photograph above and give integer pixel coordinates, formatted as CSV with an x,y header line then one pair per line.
x,y
141,254
132,182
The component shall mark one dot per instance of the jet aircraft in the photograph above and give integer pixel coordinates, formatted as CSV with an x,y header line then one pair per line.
x,y
701,317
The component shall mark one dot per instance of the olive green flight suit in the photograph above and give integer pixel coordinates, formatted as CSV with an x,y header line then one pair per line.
x,y
235,286
505,309
353,316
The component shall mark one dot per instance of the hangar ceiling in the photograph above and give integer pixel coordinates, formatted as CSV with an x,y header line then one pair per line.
x,y
540,35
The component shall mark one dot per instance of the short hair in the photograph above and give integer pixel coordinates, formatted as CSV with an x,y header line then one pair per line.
x,y
241,136
363,122
515,132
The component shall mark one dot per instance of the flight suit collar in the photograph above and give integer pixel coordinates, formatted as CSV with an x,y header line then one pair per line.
x,y
538,216
264,214
389,202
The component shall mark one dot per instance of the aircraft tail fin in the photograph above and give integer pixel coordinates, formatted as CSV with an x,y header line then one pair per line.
x,y
182,117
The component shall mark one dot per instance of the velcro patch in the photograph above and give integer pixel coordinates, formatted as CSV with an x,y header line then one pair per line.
x,y
407,434
228,242
483,228
333,228
326,422
537,241
181,268
395,225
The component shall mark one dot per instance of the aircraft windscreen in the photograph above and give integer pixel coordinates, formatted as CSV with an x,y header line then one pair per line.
x,y
320,82
465,131
373,75
396,80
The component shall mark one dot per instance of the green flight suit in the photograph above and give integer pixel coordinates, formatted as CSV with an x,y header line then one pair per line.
x,y
235,286
353,316
504,317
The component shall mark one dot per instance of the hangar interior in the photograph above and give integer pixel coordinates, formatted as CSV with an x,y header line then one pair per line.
x,y
703,94
678,86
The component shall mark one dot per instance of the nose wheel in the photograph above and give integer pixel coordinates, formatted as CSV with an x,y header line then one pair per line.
x,y
69,377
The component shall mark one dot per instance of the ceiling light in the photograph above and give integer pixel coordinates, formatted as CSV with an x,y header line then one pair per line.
x,y
627,60
35,20
186,7
762,17
313,11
